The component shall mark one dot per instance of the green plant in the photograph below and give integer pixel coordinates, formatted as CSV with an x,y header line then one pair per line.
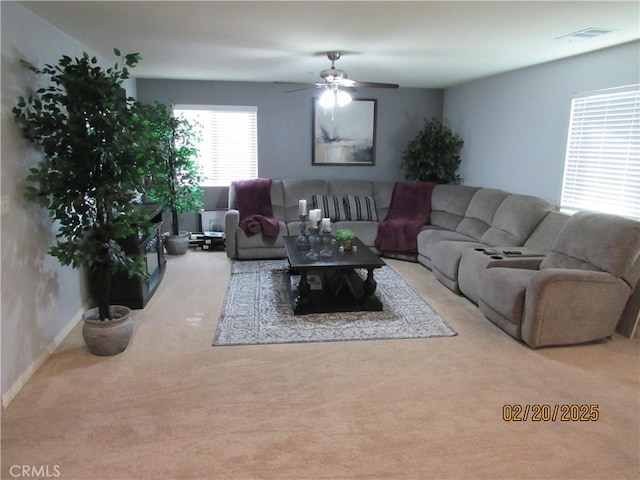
x,y
344,235
433,155
176,176
93,156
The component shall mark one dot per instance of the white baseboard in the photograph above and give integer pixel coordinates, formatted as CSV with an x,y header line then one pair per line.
x,y
11,393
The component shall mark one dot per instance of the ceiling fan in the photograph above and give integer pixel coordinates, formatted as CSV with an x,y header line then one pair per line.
x,y
335,82
334,78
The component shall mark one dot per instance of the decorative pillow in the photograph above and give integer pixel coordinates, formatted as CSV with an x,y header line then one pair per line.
x,y
360,208
331,206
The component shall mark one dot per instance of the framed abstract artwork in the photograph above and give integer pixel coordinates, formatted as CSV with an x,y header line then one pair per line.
x,y
345,135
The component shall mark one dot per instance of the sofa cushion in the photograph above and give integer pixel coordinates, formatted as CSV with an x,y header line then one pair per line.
x,y
351,187
428,238
298,189
480,213
446,255
598,241
503,289
445,261
332,206
542,238
260,246
449,203
515,219
360,208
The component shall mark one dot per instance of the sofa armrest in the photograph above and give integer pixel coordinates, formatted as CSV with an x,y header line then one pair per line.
x,y
231,224
566,306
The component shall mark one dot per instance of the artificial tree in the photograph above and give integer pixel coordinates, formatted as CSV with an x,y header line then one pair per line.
x,y
176,174
433,155
93,156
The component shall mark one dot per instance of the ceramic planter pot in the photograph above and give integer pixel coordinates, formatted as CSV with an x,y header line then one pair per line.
x,y
107,337
177,244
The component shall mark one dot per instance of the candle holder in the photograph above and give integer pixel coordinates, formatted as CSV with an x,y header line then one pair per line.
x,y
314,241
326,244
302,242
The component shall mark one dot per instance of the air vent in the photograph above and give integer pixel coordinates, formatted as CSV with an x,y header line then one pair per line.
x,y
586,34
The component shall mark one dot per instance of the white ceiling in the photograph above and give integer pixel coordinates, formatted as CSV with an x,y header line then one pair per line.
x,y
415,44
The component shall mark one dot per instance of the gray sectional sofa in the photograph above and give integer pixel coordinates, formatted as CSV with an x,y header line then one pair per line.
x,y
523,263
284,201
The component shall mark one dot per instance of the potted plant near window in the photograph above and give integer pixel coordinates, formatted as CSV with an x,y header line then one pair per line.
x,y
344,236
89,174
433,155
176,176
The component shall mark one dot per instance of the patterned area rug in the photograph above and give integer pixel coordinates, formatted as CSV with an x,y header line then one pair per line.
x,y
256,310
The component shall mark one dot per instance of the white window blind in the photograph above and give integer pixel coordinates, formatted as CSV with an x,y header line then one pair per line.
x,y
228,149
602,166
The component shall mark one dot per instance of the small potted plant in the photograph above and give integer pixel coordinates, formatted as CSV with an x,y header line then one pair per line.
x,y
344,236
433,155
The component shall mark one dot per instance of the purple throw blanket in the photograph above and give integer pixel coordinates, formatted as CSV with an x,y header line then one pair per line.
x,y
253,198
410,209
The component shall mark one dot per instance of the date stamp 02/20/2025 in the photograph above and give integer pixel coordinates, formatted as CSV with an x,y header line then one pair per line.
x,y
515,412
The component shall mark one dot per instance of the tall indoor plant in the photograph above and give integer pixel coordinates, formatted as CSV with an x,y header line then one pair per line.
x,y
93,154
176,174
433,155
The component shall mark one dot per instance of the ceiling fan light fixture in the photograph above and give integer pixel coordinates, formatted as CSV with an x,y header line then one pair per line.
x,y
343,98
327,99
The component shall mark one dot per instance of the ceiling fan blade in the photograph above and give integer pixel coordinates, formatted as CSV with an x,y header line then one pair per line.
x,y
293,83
303,88
345,82
306,87
375,85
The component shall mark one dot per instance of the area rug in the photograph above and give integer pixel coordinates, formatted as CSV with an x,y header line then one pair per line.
x,y
256,310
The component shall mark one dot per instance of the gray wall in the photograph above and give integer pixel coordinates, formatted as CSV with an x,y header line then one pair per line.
x,y
285,123
41,301
515,125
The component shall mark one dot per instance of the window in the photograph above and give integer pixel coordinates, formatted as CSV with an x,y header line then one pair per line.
x,y
602,167
228,148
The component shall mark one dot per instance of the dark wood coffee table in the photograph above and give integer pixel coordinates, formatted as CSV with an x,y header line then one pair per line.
x,y
343,290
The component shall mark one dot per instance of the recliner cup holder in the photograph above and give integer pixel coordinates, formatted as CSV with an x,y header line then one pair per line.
x,y
496,257
480,249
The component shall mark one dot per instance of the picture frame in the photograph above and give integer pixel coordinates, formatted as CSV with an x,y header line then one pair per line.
x,y
345,136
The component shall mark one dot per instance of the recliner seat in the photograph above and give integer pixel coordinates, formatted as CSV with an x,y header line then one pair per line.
x,y
580,290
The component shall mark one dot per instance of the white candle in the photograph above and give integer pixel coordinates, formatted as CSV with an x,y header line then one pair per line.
x,y
302,207
326,224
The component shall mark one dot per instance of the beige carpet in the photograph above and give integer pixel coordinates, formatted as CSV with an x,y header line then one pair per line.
x,y
173,407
